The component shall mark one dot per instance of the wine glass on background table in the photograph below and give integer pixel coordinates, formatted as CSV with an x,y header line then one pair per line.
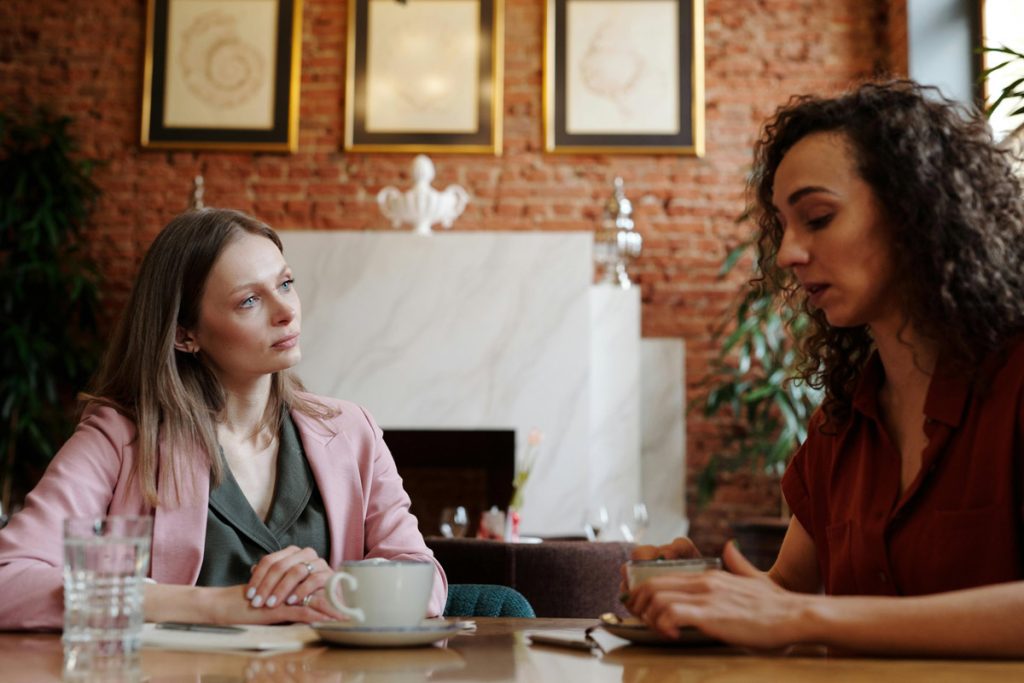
x,y
596,521
454,522
635,527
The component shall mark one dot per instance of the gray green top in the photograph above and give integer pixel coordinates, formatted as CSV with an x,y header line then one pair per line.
x,y
236,538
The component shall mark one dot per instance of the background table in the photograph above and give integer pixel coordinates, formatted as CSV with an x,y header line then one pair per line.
x,y
497,652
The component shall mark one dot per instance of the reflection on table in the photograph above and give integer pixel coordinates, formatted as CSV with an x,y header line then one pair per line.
x,y
499,651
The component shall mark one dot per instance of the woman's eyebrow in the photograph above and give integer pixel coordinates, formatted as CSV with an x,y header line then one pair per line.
x,y
797,195
248,285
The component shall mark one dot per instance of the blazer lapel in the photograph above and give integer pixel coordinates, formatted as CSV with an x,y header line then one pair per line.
x,y
317,443
179,527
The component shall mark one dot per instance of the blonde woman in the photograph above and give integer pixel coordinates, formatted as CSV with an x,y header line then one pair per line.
x,y
257,488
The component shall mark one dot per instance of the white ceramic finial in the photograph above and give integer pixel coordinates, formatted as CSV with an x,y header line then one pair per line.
x,y
422,206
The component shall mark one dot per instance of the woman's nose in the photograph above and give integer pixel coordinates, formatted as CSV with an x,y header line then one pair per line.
x,y
285,312
792,250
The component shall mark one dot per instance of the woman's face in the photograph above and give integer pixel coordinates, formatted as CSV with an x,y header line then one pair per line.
x,y
249,315
835,239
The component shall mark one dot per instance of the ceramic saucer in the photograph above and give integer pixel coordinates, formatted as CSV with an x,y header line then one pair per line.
x,y
638,633
354,635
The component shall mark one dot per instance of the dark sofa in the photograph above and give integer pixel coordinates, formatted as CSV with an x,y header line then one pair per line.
x,y
559,578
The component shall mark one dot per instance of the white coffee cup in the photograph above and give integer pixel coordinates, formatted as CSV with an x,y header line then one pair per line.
x,y
382,593
638,571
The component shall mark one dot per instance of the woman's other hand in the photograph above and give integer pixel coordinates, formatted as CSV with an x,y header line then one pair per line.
x,y
740,606
290,577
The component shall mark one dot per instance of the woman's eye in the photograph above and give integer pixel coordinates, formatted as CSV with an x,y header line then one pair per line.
x,y
249,302
287,284
819,222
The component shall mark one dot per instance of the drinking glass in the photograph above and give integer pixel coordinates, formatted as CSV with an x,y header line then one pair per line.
x,y
596,520
635,528
454,522
106,560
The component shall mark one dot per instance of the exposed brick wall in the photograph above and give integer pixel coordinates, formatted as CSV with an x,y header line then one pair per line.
x,y
86,59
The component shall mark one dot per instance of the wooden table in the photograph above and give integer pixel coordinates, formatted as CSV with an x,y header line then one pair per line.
x,y
498,651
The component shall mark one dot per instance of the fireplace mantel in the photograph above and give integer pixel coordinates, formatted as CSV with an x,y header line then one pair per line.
x,y
484,330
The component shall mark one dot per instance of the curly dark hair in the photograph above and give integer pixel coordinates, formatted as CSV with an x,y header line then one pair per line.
x,y
953,206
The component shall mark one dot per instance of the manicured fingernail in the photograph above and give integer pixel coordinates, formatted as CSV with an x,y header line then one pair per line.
x,y
257,601
271,601
736,544
624,597
292,599
249,593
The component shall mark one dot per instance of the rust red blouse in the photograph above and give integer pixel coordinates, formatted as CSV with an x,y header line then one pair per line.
x,y
958,525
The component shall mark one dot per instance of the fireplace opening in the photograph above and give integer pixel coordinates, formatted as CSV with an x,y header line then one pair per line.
x,y
443,468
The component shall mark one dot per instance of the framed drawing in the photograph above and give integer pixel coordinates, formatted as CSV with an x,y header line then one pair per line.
x,y
222,74
424,76
1002,64
624,76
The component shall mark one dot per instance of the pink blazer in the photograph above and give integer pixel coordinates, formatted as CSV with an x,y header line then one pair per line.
x,y
367,508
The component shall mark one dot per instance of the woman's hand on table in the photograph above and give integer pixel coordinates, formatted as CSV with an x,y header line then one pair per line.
x,y
226,605
292,577
740,606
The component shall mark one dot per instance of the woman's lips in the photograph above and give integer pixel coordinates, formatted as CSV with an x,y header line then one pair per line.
x,y
287,342
815,292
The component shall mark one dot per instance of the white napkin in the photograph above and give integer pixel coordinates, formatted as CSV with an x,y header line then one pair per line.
x,y
259,638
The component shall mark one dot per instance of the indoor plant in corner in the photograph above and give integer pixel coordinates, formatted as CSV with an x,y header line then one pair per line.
x,y
48,293
752,383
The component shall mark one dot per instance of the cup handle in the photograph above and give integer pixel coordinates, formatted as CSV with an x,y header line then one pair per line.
x,y
353,584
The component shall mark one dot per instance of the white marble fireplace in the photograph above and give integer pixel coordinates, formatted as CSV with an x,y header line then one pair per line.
x,y
501,330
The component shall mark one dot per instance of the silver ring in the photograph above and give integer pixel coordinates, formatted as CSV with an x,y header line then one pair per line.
x,y
306,600
309,567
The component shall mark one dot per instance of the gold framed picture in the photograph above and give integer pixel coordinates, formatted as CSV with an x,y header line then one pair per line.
x,y
624,76
222,74
424,76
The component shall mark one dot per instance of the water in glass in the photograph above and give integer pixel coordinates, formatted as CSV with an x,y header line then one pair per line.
x,y
105,562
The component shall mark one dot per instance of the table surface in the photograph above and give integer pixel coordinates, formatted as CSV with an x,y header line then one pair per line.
x,y
499,651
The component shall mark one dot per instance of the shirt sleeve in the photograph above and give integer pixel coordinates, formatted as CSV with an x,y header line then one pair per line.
x,y
796,482
78,482
391,530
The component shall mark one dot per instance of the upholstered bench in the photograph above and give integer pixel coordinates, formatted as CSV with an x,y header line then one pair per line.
x,y
560,578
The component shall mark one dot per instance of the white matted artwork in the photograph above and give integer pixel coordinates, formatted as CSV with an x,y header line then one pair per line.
x,y
222,60
424,76
422,65
622,67
222,74
624,76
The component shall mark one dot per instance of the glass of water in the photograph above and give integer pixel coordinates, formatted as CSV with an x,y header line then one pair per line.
x,y
106,560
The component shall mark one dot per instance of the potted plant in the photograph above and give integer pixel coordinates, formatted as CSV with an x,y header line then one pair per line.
x,y
48,293
1011,97
752,382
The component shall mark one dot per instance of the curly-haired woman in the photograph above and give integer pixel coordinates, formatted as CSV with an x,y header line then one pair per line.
x,y
888,214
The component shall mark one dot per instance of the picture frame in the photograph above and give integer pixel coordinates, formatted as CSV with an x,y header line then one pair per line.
x,y
624,77
425,76
222,75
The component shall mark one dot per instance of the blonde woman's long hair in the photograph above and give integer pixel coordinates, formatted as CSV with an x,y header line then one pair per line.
x,y
173,397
